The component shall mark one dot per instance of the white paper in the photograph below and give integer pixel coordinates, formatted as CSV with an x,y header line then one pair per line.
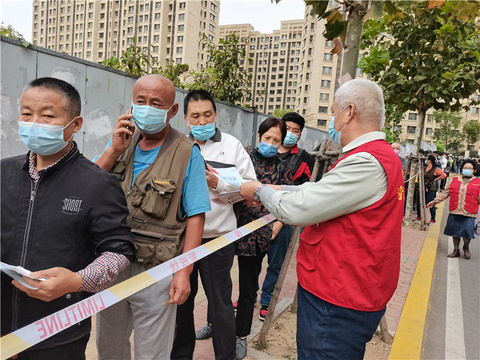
x,y
228,198
17,273
229,175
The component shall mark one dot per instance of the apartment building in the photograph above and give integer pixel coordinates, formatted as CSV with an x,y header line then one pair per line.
x,y
275,66
98,29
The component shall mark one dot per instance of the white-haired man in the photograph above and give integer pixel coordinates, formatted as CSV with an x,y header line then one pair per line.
x,y
348,261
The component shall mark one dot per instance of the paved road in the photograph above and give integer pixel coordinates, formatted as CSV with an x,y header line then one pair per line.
x,y
452,329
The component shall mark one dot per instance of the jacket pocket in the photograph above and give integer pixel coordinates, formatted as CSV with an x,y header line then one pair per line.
x,y
158,195
152,248
309,248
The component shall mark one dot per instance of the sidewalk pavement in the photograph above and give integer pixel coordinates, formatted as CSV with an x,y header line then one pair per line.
x,y
412,243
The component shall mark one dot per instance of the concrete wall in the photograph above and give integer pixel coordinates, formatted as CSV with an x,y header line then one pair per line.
x,y
106,94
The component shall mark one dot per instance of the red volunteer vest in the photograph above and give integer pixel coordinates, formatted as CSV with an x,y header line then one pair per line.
x,y
353,260
471,198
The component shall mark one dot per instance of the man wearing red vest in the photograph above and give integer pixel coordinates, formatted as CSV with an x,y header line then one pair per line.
x,y
348,261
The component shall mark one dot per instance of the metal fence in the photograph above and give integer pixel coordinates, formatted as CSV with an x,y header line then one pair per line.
x,y
106,94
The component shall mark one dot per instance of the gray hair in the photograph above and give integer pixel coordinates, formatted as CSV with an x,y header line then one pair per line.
x,y
367,97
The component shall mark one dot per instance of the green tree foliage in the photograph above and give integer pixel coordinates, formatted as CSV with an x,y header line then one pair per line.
x,y
280,112
393,117
440,145
224,76
471,131
448,129
135,61
176,73
424,57
10,32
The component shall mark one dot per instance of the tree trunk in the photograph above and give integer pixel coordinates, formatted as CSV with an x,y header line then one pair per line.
x,y
419,130
353,38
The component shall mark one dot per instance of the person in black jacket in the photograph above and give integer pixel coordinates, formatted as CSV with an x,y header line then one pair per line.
x,y
62,217
300,163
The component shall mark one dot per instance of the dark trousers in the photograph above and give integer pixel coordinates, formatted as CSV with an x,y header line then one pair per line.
x,y
249,268
276,254
327,331
429,196
74,350
215,274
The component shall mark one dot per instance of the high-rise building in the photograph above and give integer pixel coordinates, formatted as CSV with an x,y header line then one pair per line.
x,y
98,29
275,64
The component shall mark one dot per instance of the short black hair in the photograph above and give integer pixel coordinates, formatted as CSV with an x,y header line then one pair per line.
x,y
196,95
469,161
74,102
296,118
272,122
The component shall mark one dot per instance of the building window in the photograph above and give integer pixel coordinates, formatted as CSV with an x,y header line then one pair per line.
x,y
410,129
327,56
212,17
181,16
323,109
326,83
178,60
180,38
412,116
324,96
475,110
321,122
158,5
213,7
328,43
157,16
131,9
428,131
181,5
156,27
181,27
179,50
156,38
327,70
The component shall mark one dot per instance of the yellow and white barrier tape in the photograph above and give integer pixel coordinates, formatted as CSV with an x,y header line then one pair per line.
x,y
32,334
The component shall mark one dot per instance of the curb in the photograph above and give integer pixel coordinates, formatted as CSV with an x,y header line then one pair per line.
x,y
408,340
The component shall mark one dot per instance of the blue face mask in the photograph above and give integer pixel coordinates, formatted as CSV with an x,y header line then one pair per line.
x,y
291,139
203,132
149,119
43,139
467,172
334,134
267,150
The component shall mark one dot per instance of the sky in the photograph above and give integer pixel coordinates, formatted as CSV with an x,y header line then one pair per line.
x,y
262,14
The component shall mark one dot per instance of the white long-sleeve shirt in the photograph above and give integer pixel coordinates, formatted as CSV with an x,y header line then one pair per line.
x,y
355,183
227,151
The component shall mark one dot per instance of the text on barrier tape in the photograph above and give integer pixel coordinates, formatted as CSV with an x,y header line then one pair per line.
x,y
32,334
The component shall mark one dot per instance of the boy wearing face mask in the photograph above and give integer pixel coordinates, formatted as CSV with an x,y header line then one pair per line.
x,y
220,150
61,216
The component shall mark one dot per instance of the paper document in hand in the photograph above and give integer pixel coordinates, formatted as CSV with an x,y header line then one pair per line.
x,y
17,273
228,198
229,175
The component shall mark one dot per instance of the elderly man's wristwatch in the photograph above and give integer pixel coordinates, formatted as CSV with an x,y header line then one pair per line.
x,y
256,194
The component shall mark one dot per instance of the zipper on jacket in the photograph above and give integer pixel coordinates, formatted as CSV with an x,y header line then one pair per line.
x,y
173,227
33,192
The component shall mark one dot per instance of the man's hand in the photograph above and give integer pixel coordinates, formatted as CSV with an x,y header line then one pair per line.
x,y
431,204
277,226
180,287
60,281
122,135
212,180
247,190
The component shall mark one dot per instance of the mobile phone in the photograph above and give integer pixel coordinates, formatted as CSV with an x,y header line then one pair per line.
x,y
131,110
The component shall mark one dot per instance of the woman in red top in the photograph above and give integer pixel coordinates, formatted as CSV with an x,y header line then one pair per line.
x,y
432,174
464,193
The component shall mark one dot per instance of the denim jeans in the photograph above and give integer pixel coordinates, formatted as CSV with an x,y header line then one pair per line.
x,y
276,254
327,331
